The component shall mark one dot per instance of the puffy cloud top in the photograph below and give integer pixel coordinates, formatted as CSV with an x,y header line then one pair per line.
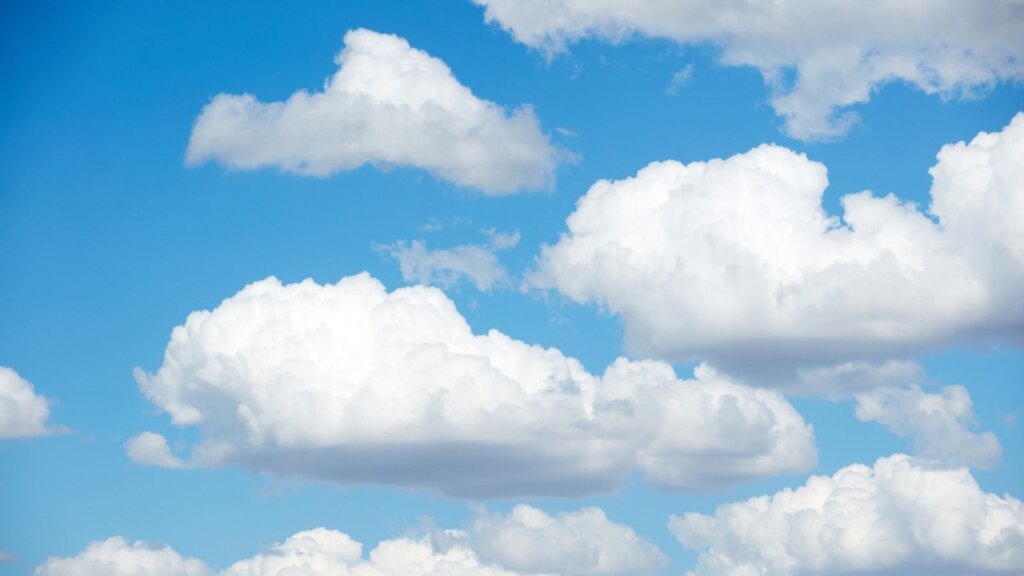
x,y
591,544
23,413
351,383
899,517
388,104
583,543
116,557
839,52
737,262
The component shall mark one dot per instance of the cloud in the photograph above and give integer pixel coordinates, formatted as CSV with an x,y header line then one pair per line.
x,y
819,59
387,105
116,557
583,543
938,422
349,383
151,449
23,413
477,263
6,556
679,79
900,517
494,548
735,261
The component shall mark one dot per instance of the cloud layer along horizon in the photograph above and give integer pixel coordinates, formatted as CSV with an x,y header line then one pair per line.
x,y
387,105
900,517
818,59
583,543
350,383
23,413
736,262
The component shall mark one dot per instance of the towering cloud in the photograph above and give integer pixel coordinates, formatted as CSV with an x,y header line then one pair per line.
x,y
819,58
735,260
388,105
23,413
900,517
350,383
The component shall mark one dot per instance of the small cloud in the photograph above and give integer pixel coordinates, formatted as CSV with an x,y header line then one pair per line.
x,y
1009,419
679,79
565,132
436,224
477,263
6,556
151,449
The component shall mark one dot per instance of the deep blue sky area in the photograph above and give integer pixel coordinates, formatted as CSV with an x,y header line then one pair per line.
x,y
108,240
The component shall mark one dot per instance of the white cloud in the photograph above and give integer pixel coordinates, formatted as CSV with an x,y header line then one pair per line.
x,y
837,54
23,413
388,105
939,423
350,383
151,449
116,557
495,547
6,556
679,79
901,517
583,543
477,263
736,262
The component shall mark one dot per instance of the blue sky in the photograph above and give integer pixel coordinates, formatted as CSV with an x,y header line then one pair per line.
x,y
108,241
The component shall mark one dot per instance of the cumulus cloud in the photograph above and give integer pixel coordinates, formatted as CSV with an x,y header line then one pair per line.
x,y
349,383
116,557
387,105
477,263
495,547
901,516
583,543
23,413
151,449
735,261
818,58
939,423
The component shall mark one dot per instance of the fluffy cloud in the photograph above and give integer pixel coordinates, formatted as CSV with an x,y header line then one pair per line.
x,y
735,260
496,547
477,263
389,105
151,449
583,543
116,557
899,517
351,384
939,423
23,413
818,58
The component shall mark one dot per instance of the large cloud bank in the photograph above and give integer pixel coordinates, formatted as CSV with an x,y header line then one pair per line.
x,y
23,413
583,543
900,517
390,105
735,261
350,383
837,53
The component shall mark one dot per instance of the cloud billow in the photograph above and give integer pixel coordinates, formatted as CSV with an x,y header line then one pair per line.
x,y
350,383
736,262
388,105
818,58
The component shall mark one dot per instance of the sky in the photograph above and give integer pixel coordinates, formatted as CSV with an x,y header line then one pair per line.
x,y
494,287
